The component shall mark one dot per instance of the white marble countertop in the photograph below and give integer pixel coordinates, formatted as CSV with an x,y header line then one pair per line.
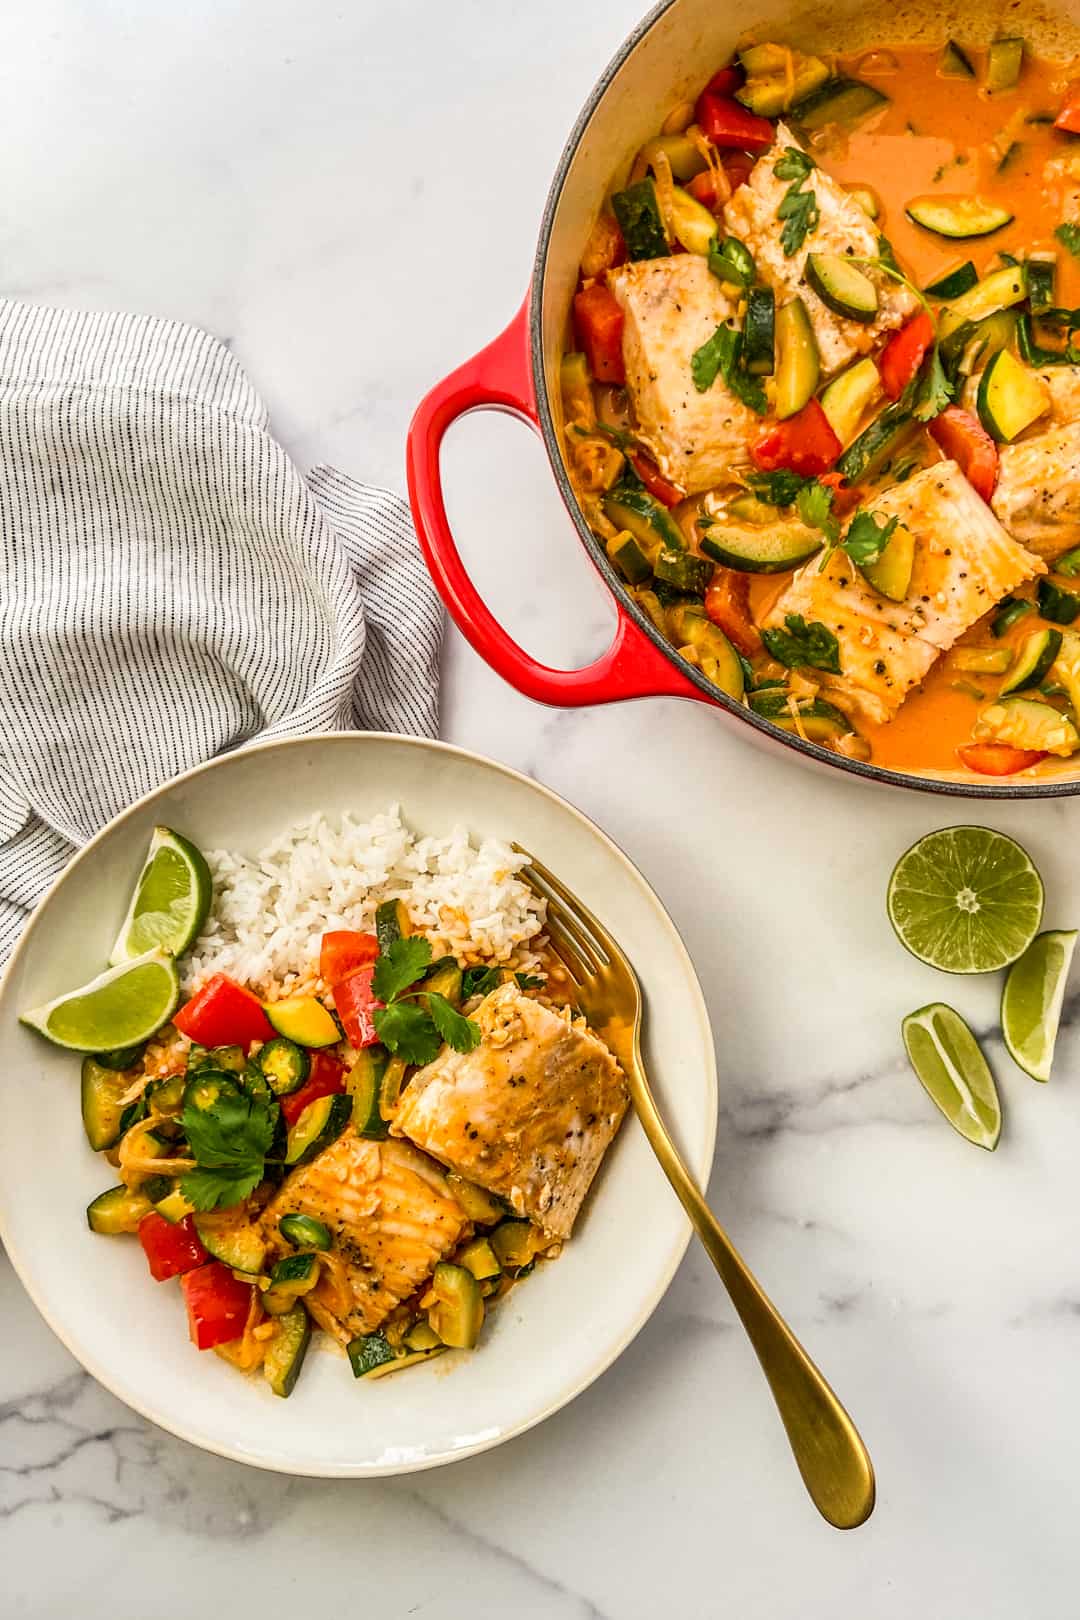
x,y
349,194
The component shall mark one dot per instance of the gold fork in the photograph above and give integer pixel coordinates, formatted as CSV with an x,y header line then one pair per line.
x,y
832,1459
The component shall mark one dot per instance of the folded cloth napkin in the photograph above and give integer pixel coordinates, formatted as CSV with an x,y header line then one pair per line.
x,y
172,587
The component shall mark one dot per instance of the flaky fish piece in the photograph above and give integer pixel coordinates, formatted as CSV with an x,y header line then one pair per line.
x,y
392,1218
528,1115
1037,496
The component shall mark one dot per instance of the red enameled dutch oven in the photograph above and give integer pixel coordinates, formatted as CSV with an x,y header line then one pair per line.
x,y
665,60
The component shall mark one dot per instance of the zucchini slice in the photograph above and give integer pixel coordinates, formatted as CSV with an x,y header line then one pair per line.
x,y
816,720
958,217
1011,609
777,77
391,923
233,1240
1041,278
1037,652
798,365
1004,60
753,549
650,523
303,1020
1068,563
866,199
101,1093
628,557
516,1244
285,1355
321,1123
953,282
1010,397
954,63
692,222
683,156
688,626
1000,290
839,101
458,1312
981,660
640,221
759,332
444,979
891,574
482,1207
305,1232
372,1356
174,1207
118,1210
364,1085
1025,722
1056,605
849,396
480,1258
876,441
842,286
683,571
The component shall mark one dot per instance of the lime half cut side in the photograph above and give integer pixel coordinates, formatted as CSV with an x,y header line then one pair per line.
x,y
1032,1000
171,899
966,900
946,1057
123,1006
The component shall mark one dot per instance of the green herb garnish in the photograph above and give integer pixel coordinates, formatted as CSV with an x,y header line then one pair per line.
x,y
867,537
720,356
801,645
1069,236
414,1023
229,1141
798,209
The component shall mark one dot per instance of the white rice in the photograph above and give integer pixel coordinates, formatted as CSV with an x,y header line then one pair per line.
x,y
271,909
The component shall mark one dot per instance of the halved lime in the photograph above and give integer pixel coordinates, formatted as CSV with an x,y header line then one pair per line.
x,y
171,899
1031,1001
966,900
946,1057
121,1007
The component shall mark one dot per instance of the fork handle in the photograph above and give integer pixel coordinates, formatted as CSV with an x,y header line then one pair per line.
x,y
830,1454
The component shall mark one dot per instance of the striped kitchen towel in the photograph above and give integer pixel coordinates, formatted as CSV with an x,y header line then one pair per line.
x,y
172,587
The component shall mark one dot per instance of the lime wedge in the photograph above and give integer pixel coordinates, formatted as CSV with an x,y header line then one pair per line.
x,y
966,900
946,1057
171,899
121,1007
1032,998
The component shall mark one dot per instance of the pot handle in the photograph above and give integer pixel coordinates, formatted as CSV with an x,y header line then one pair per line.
x,y
499,378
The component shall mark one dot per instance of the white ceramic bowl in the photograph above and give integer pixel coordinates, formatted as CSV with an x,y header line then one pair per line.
x,y
552,1337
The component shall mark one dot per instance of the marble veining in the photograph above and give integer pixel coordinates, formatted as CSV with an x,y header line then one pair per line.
x,y
349,195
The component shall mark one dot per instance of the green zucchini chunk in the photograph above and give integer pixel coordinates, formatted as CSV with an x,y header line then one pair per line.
x,y
842,286
101,1093
798,365
1004,60
958,217
688,626
640,221
288,1347
235,1242
650,522
444,979
1056,605
849,396
1037,653
117,1210
954,62
1010,397
759,332
1041,278
683,571
876,441
628,557
753,550
1011,609
303,1020
953,282
458,1312
890,575
364,1085
391,923
321,1123
840,101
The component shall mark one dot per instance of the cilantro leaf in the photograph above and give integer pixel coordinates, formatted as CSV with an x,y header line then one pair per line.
x,y
800,212
720,356
459,1032
777,488
887,255
795,164
529,981
814,504
801,645
935,391
400,965
479,981
867,537
219,1189
1069,236
406,1029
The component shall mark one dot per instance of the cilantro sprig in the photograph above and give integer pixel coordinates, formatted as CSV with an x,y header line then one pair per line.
x,y
798,208
229,1140
414,1022
1069,237
721,355
867,537
801,645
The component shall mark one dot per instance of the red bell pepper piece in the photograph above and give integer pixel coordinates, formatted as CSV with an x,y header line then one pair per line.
x,y
727,123
905,352
965,441
343,951
998,759
653,478
702,187
223,1013
726,80
598,323
356,1002
845,499
217,1305
170,1249
736,165
803,443
727,604
325,1077
1069,116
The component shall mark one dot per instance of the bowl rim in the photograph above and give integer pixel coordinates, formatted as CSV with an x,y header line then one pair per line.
x,y
701,1155
882,774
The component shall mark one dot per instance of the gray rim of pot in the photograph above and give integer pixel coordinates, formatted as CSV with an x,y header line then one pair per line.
x,y
868,771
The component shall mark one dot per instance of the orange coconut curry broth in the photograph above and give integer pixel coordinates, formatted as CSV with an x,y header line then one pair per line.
x,y
822,407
